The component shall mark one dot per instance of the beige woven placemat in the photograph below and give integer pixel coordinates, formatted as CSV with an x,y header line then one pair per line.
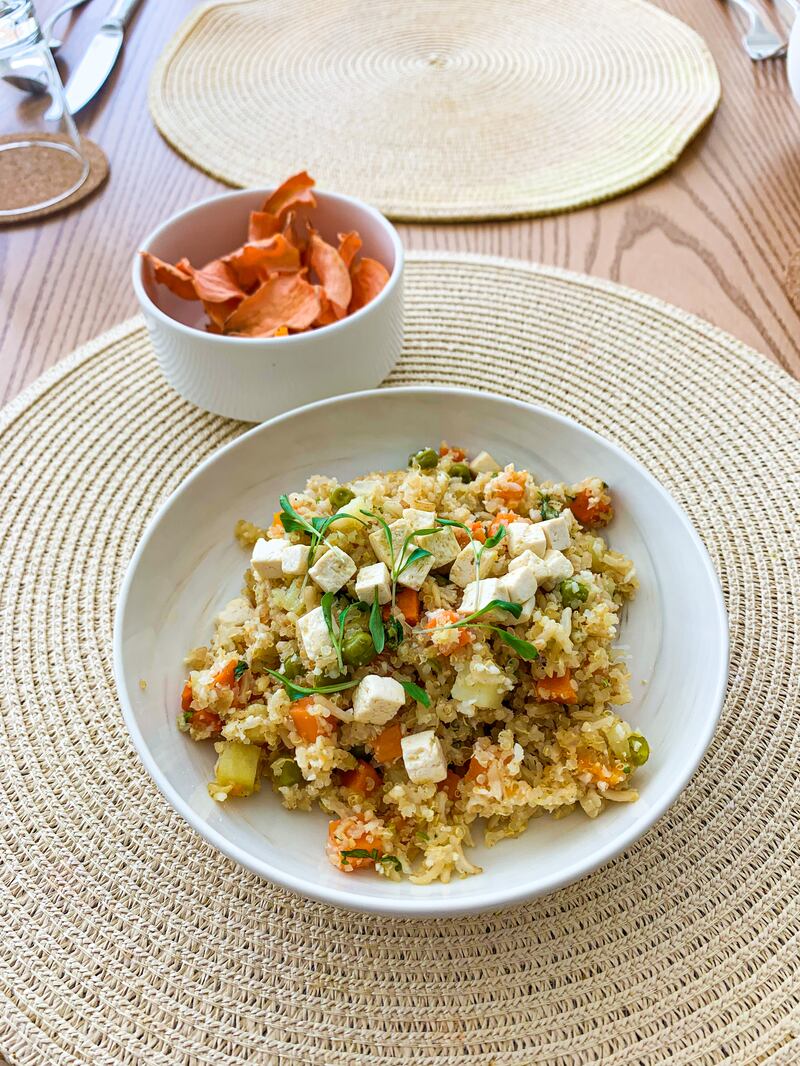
x,y
431,110
124,938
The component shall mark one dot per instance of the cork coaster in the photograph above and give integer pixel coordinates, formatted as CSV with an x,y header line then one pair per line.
x,y
43,177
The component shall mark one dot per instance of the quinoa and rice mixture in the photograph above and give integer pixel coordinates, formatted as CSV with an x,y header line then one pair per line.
x,y
466,672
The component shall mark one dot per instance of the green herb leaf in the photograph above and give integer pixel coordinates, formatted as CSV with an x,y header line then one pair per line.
x,y
240,668
363,853
415,692
414,557
187,717
296,692
452,522
500,605
292,521
493,541
394,632
523,648
547,509
392,859
376,629
326,603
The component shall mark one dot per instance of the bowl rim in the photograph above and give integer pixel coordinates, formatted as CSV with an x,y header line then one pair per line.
x,y
148,305
350,899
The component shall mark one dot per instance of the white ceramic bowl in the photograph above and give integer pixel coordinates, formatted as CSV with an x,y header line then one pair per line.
x,y
253,378
188,565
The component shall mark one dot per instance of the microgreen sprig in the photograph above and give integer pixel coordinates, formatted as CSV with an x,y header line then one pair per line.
x,y
547,509
376,629
336,631
415,692
296,692
363,853
293,522
523,648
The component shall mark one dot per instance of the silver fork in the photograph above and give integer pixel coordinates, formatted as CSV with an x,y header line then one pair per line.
x,y
759,41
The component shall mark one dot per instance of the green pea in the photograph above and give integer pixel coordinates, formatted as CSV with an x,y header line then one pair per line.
x,y
286,772
573,592
639,749
461,470
358,648
425,459
293,667
340,497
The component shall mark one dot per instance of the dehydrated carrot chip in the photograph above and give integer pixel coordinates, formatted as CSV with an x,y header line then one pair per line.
x,y
368,277
349,246
334,276
216,283
253,262
175,278
284,300
295,190
279,280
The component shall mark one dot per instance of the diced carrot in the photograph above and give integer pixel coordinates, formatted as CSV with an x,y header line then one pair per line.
x,y
186,696
478,532
450,785
202,720
462,537
457,638
277,525
474,769
511,487
226,677
588,763
457,453
386,746
503,518
364,779
557,689
344,835
589,512
408,602
308,725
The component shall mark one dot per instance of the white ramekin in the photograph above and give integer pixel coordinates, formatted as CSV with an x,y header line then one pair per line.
x,y
252,378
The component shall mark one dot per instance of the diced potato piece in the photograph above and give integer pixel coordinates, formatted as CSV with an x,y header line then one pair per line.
x,y
351,515
484,694
237,767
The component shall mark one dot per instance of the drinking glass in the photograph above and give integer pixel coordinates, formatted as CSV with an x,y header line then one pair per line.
x,y
42,160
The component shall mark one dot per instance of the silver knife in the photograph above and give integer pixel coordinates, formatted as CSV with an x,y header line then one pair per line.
x,y
101,55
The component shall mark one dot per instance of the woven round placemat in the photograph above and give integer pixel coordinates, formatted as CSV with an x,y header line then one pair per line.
x,y
124,938
475,109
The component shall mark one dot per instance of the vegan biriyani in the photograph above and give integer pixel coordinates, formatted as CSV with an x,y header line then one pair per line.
x,y
418,649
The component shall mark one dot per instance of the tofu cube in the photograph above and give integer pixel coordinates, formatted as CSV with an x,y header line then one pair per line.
x,y
295,560
557,567
423,757
478,593
521,584
416,573
416,519
525,536
372,578
377,699
332,570
266,562
556,530
442,545
483,463
315,639
463,569
380,544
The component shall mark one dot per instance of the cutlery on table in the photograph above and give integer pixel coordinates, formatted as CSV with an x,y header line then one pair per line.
x,y
101,55
759,41
38,83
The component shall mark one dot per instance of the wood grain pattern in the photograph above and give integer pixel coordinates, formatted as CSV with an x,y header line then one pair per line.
x,y
714,235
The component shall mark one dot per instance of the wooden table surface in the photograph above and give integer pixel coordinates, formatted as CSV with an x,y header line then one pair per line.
x,y
713,235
